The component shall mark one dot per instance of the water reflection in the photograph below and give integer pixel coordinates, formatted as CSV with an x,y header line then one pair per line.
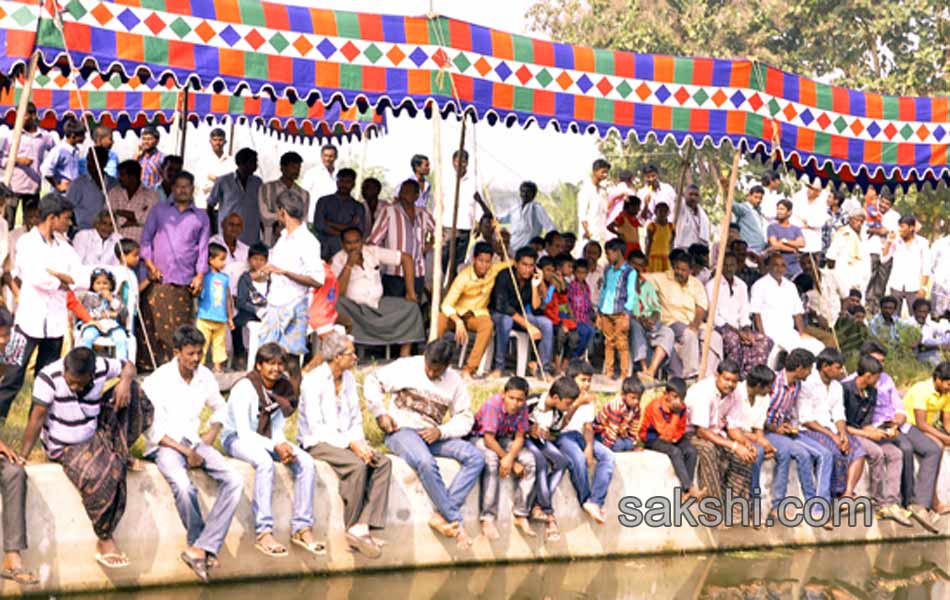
x,y
909,571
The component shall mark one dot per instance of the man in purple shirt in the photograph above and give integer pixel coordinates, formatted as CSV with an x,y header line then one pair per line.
x,y
175,251
917,493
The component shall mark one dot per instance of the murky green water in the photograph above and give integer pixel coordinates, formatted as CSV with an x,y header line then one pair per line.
x,y
911,571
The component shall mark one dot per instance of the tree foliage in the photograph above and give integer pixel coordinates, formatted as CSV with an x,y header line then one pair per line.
x,y
899,48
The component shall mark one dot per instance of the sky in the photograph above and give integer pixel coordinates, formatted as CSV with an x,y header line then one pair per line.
x,y
505,156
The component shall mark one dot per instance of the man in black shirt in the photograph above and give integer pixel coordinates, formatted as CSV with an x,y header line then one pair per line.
x,y
884,460
506,312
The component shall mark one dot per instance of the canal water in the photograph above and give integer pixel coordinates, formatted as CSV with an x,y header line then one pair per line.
x,y
908,570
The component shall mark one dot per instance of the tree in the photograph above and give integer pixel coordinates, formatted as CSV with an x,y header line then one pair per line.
x,y
902,48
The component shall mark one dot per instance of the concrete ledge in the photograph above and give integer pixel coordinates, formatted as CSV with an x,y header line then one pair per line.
x,y
62,542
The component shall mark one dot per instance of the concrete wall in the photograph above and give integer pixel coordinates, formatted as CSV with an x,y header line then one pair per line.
x,y
62,543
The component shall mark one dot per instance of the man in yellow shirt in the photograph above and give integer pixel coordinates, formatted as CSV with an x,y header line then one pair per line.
x,y
928,405
465,307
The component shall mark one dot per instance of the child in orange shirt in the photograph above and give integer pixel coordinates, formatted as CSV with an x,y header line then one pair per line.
x,y
663,429
627,226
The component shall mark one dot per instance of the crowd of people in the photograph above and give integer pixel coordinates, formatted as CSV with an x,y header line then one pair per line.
x,y
145,268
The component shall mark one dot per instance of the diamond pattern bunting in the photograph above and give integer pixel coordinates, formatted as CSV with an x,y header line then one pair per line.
x,y
326,48
396,56
129,20
523,74
155,23
229,36
604,86
303,45
350,51
180,28
205,31
503,71
101,13
279,42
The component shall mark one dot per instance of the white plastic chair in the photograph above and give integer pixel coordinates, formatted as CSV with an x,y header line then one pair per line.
x,y
485,365
523,349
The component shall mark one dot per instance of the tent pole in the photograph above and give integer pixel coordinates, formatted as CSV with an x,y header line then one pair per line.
x,y
20,118
455,208
436,192
184,123
720,259
231,138
682,182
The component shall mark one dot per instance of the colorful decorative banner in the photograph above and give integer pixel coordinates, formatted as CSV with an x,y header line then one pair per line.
x,y
134,104
393,60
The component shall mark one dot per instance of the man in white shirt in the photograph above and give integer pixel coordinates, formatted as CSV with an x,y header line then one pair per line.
x,y
592,204
934,335
229,237
778,312
772,184
940,268
618,194
692,226
96,246
211,166
810,212
910,266
179,391
653,192
727,457
425,390
48,268
470,209
295,267
290,163
529,219
320,181
378,320
846,255
879,245
740,341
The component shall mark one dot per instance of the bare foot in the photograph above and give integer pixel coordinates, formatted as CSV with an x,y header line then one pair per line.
x,y
521,524
495,374
489,530
462,541
438,523
538,515
596,512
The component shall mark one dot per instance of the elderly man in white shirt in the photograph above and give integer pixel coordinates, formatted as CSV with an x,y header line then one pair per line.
x,y
331,430
592,204
229,237
727,458
96,246
295,267
910,269
377,320
692,225
180,390
851,267
778,312
740,341
48,268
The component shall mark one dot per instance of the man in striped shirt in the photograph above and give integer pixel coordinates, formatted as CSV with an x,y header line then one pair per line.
x,y
781,429
403,226
89,431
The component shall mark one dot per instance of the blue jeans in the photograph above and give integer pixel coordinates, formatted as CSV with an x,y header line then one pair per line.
x,y
620,444
118,337
572,444
408,445
585,333
263,460
174,468
807,454
550,465
503,326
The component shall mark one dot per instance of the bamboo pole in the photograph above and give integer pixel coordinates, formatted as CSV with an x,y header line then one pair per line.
x,y
231,137
436,191
184,124
455,209
720,259
682,182
20,119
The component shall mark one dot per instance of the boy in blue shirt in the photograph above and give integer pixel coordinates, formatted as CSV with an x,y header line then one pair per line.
x,y
215,310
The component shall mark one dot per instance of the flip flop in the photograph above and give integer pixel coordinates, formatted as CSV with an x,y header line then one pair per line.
x,y
120,560
14,575
197,565
315,548
274,550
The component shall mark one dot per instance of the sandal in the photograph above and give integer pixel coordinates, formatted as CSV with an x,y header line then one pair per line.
x,y
20,575
274,549
111,560
211,561
551,532
315,548
197,565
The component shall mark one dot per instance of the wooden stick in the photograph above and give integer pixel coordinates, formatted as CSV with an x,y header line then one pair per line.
x,y
436,191
20,119
679,186
720,259
184,123
455,209
231,137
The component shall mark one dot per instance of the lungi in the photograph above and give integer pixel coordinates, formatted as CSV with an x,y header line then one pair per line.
x,y
287,326
396,321
164,307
